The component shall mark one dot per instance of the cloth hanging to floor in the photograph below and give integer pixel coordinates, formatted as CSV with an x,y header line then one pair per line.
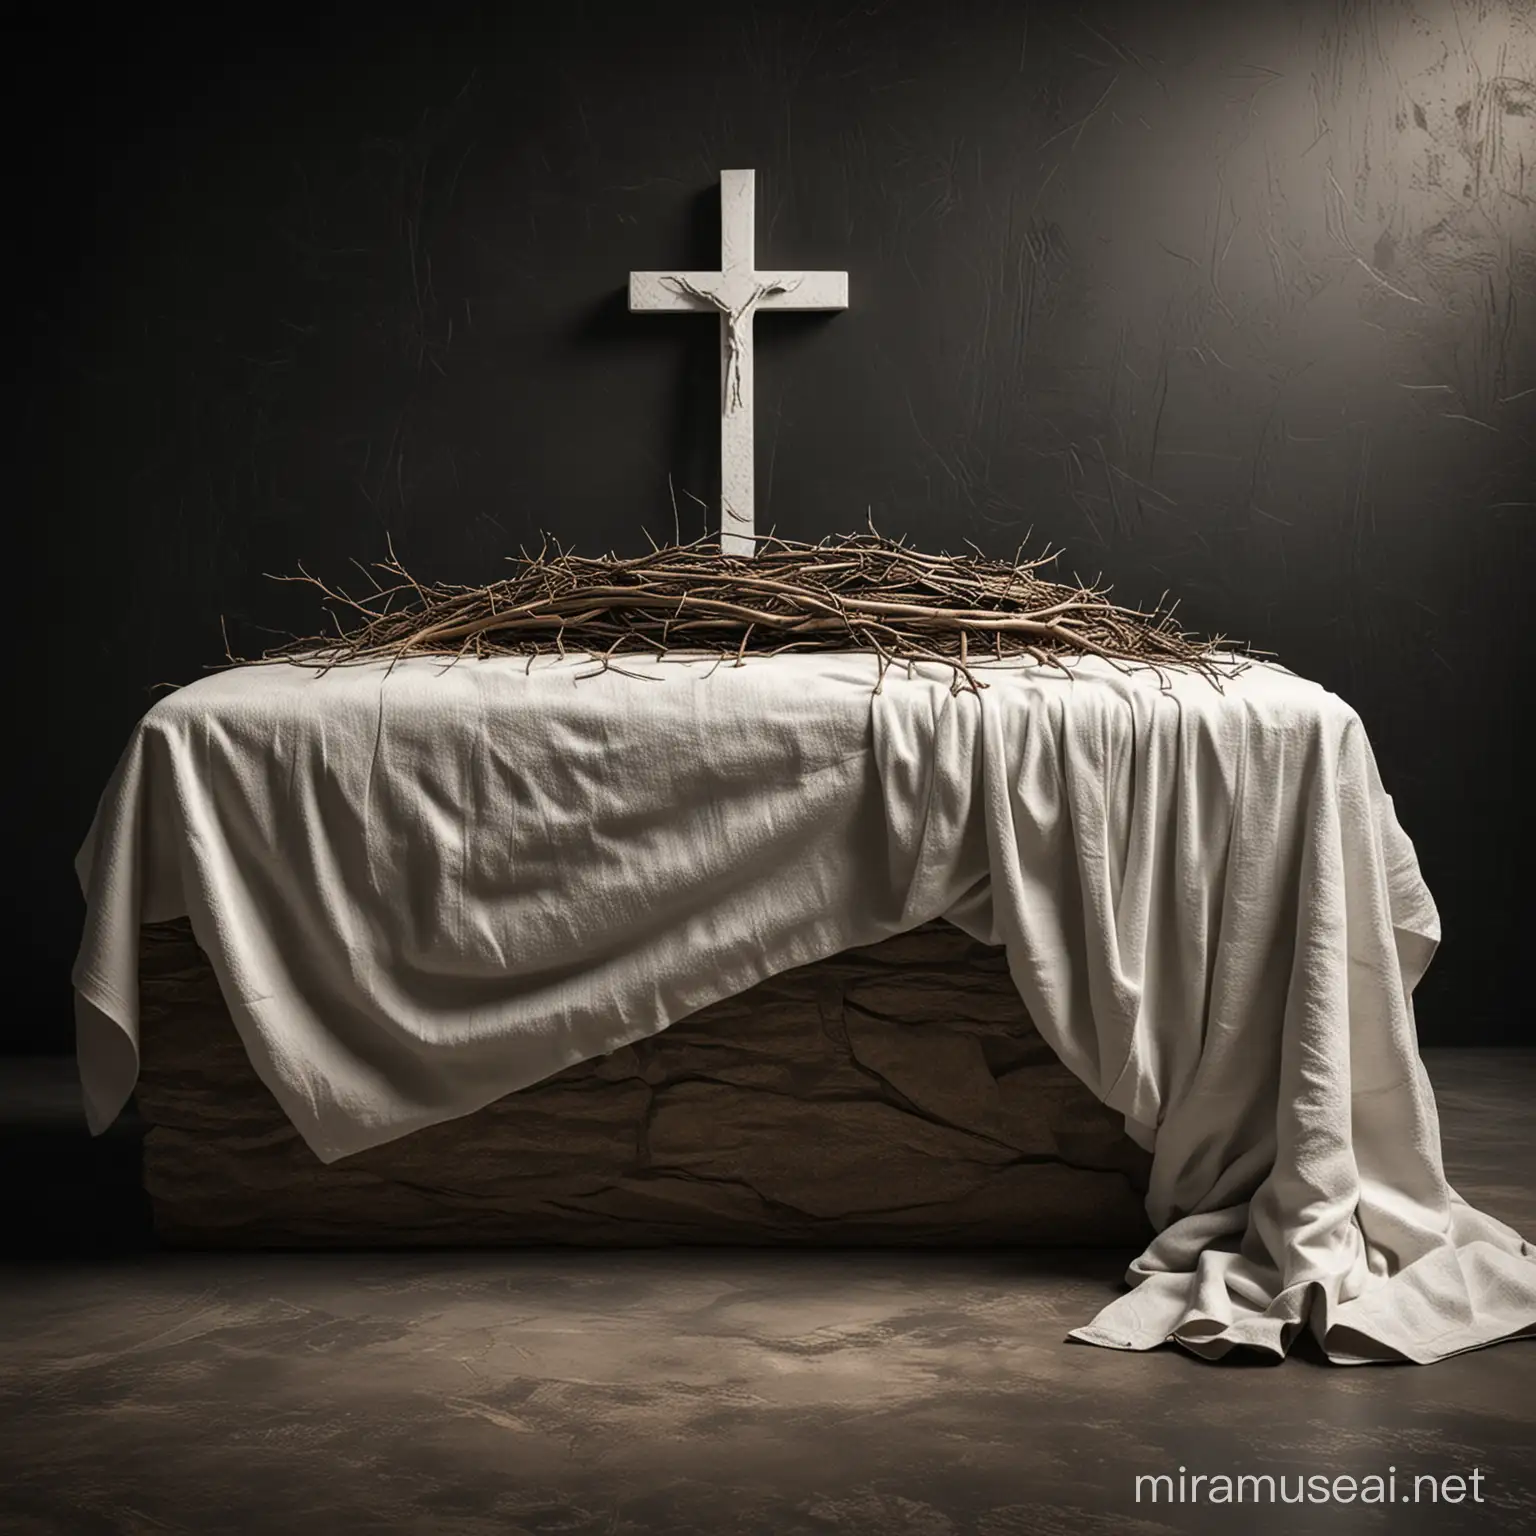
x,y
424,887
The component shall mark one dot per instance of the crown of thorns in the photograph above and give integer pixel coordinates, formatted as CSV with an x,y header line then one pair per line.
x,y
849,592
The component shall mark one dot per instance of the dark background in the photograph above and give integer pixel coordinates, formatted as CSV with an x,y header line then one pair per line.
x,y
1237,301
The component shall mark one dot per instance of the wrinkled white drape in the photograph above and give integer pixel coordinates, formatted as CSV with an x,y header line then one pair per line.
x,y
424,888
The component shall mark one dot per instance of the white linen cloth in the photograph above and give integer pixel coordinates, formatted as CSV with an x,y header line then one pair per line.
x,y
426,887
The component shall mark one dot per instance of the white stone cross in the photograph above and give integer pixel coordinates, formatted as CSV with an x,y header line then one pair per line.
x,y
737,291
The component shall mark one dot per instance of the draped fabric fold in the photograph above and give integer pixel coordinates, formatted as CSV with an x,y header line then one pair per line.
x,y
424,888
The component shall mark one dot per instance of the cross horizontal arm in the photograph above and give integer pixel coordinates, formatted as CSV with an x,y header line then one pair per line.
x,y
660,290
805,290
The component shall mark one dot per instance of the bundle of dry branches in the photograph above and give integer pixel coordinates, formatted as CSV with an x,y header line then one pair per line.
x,y
852,592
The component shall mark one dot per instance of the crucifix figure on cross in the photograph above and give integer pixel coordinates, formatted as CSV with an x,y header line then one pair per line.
x,y
736,292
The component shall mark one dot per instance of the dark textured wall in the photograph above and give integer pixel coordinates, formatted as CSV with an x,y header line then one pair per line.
x,y
1232,300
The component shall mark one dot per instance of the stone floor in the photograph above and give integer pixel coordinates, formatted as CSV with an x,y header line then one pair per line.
x,y
725,1393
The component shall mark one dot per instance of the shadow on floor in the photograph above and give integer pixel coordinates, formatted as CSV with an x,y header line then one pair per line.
x,y
692,1392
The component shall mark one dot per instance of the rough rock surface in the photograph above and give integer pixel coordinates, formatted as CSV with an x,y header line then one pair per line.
x,y
896,1094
